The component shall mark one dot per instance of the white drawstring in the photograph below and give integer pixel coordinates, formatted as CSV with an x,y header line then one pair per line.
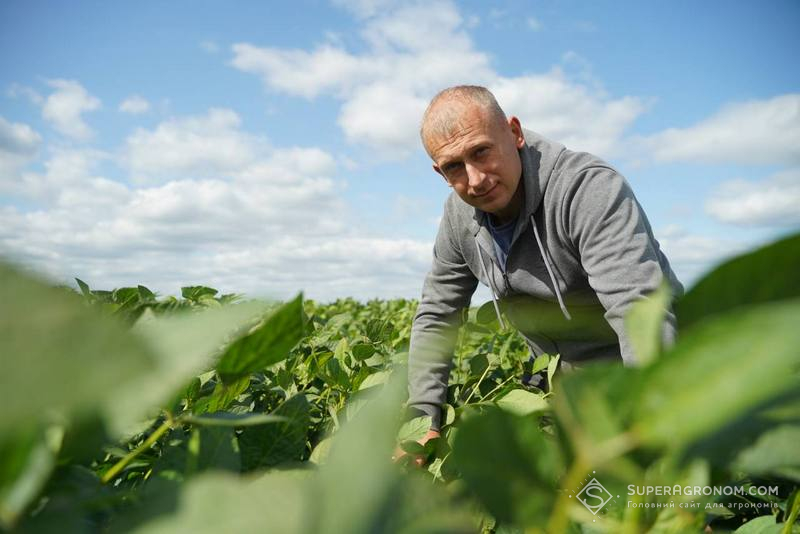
x,y
491,285
550,271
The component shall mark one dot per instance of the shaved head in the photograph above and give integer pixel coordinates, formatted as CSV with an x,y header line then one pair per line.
x,y
444,114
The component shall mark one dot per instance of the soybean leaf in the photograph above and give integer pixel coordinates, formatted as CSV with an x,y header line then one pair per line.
x,y
269,445
59,354
221,502
518,485
764,275
414,429
228,419
719,372
776,452
267,345
196,292
523,402
27,461
644,324
185,345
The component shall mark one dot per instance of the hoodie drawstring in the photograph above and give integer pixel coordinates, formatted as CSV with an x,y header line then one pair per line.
x,y
547,266
550,271
491,285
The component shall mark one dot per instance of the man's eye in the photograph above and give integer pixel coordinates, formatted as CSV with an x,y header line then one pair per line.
x,y
482,152
451,168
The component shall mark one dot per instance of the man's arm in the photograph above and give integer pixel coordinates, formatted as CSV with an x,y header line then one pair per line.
x,y
617,248
448,289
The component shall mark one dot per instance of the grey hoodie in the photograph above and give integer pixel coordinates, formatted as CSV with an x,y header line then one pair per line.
x,y
582,252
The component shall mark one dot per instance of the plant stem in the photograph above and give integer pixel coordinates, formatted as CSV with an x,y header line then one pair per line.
x,y
787,527
119,466
477,385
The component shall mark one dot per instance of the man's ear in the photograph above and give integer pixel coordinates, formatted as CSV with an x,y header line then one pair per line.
x,y
439,171
516,129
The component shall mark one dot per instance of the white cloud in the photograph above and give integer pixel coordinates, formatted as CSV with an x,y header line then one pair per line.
x,y
22,91
65,106
271,223
191,147
134,105
413,50
558,108
365,8
210,46
692,255
754,132
19,143
771,202
534,24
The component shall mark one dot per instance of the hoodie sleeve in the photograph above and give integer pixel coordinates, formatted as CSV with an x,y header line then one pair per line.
x,y
617,249
448,288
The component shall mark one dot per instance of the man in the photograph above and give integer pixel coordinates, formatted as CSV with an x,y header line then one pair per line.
x,y
556,235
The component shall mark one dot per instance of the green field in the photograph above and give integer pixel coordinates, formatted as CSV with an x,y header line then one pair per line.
x,y
124,411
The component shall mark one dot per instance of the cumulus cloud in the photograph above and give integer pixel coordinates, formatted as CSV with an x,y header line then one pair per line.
x,y
134,105
19,143
754,132
191,147
412,51
691,255
271,223
551,104
533,24
774,201
64,108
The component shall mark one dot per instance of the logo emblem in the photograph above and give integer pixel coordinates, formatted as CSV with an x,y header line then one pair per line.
x,y
594,496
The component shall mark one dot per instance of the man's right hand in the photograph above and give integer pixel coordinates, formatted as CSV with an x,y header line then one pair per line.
x,y
419,460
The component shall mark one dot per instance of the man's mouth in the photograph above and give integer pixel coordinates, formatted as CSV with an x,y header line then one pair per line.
x,y
487,192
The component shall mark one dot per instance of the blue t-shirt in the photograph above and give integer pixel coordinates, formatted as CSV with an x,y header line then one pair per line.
x,y
502,236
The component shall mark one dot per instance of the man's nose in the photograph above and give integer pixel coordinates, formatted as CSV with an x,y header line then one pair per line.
x,y
475,175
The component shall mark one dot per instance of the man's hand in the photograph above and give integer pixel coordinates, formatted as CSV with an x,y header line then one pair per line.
x,y
419,461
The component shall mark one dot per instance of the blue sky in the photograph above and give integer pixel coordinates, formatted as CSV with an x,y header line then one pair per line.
x,y
269,147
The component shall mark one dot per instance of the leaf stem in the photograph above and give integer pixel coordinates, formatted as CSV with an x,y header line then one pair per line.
x,y
120,465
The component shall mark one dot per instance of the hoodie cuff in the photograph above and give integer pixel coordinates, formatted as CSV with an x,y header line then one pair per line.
x,y
421,410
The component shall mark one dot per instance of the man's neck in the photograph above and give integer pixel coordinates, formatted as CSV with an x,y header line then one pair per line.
x,y
512,209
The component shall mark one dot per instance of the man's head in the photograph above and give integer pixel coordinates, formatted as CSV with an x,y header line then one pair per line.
x,y
475,148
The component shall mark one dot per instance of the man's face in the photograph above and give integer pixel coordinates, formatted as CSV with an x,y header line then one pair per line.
x,y
480,159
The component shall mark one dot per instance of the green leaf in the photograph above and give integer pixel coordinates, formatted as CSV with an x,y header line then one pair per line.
x,y
776,452
362,351
760,525
644,324
540,363
194,293
27,461
519,484
764,275
84,288
719,372
267,345
145,295
57,354
523,402
414,429
269,445
228,419
486,314
552,367
222,396
357,487
221,502
185,345
412,447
